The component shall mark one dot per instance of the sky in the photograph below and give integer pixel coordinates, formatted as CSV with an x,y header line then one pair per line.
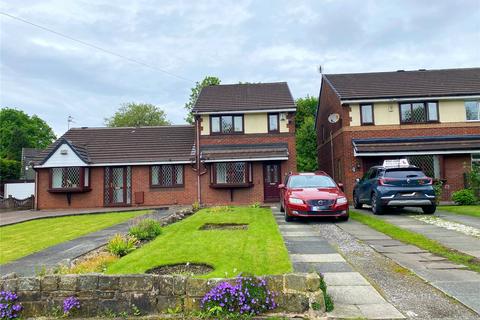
x,y
53,77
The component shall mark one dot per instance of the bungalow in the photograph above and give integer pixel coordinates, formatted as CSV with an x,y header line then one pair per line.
x,y
241,144
430,117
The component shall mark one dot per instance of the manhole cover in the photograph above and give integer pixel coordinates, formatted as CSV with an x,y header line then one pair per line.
x,y
224,226
182,269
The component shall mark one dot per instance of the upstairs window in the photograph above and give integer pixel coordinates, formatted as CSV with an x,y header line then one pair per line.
x,y
472,110
166,176
273,122
419,112
231,173
366,114
69,178
230,124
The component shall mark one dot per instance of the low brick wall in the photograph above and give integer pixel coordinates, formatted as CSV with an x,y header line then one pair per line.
x,y
152,294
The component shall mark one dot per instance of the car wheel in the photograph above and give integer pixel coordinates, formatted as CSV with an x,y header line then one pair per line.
x,y
376,207
287,217
429,209
282,209
356,201
343,218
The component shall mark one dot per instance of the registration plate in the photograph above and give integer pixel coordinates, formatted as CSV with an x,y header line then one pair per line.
x,y
316,208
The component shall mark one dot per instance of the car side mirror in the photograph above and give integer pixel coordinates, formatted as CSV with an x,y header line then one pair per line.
x,y
281,186
340,185
357,180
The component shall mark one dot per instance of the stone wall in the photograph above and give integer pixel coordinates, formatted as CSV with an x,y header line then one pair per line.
x,y
152,294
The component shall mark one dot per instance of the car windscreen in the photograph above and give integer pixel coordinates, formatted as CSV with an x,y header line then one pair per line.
x,y
404,173
311,182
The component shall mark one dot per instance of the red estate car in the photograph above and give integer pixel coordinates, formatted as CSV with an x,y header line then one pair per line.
x,y
312,195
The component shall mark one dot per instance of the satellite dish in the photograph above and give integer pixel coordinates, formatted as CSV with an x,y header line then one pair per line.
x,y
333,118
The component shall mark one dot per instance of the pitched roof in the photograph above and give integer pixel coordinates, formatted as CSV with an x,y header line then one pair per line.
x,y
437,144
128,145
406,84
244,97
212,153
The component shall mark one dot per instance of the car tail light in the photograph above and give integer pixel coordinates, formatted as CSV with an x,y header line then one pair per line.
x,y
426,182
385,182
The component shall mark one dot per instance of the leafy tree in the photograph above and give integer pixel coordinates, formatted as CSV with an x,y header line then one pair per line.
x,y
19,130
9,169
207,81
307,146
137,114
306,107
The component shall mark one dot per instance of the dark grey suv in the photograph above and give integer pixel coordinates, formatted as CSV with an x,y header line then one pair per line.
x,y
383,187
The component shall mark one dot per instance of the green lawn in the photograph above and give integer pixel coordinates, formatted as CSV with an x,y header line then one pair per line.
x,y
24,238
417,239
258,250
473,211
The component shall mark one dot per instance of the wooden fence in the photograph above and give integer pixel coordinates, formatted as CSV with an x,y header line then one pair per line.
x,y
11,203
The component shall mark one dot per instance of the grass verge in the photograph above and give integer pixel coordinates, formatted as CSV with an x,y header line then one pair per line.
x,y
473,211
258,250
418,240
28,237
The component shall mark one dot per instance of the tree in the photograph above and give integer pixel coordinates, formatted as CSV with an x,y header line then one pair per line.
x,y
306,107
9,169
307,146
207,81
19,130
137,114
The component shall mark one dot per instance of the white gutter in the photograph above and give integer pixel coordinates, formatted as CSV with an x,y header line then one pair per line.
x,y
246,159
409,99
410,153
248,111
119,164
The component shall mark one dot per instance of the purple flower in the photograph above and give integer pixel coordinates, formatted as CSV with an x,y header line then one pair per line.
x,y
9,308
70,304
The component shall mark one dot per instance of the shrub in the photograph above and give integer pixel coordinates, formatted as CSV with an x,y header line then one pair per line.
x,y
70,304
97,263
248,296
464,197
255,205
147,229
9,308
122,245
195,206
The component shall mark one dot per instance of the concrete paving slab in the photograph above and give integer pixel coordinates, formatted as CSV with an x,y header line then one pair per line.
x,y
345,311
299,234
326,257
446,275
443,265
322,267
467,292
373,237
398,249
315,238
309,247
355,295
380,311
344,279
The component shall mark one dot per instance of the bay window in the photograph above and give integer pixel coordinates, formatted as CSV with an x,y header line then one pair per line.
x,y
419,112
167,175
226,124
231,174
472,110
69,179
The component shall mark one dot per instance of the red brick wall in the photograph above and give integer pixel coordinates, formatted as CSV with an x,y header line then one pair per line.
x,y
140,182
455,166
91,199
185,195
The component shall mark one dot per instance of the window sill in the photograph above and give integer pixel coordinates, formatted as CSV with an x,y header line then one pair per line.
x,y
230,185
166,187
69,190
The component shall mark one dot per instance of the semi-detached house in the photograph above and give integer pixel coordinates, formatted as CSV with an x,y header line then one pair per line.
x,y
431,117
241,145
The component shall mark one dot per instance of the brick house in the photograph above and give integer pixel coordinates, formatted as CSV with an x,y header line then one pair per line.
x,y
241,144
431,117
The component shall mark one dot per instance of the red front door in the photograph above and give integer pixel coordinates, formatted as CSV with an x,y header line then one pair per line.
x,y
271,180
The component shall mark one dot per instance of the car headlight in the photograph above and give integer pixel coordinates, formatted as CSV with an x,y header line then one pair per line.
x,y
342,200
295,201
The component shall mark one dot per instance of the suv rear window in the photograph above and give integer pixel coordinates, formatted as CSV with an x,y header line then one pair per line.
x,y
403,173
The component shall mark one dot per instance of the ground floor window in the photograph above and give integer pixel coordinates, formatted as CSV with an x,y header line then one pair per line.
x,y
476,160
166,176
231,173
69,178
430,164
